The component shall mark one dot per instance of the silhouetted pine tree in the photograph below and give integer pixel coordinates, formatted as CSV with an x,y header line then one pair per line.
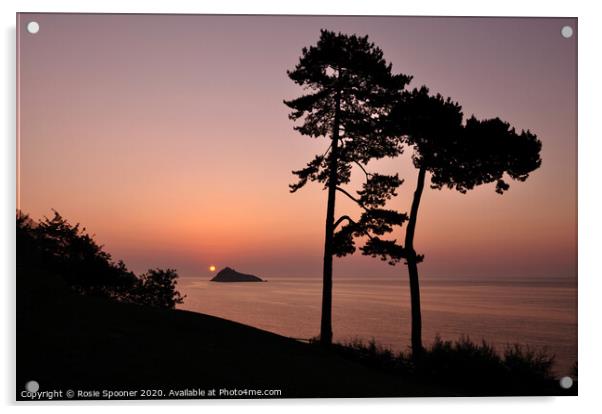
x,y
350,91
458,156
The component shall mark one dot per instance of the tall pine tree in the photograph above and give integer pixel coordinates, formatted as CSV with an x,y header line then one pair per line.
x,y
351,90
458,155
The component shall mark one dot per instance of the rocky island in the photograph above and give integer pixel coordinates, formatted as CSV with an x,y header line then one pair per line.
x,y
230,275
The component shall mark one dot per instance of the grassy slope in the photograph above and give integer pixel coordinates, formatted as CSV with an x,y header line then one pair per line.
x,y
67,341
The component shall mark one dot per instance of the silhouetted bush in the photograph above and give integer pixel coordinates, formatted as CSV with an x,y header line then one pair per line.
x,y
55,246
445,359
525,362
479,367
158,288
374,354
469,367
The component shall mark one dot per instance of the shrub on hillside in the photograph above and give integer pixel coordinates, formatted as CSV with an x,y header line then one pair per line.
x,y
471,368
56,246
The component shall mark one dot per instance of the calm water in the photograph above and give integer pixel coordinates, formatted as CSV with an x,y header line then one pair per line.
x,y
541,314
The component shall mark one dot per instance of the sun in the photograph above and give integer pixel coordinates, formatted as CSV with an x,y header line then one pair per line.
x,y
212,268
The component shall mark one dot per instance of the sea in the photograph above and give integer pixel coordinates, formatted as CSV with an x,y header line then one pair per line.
x,y
536,313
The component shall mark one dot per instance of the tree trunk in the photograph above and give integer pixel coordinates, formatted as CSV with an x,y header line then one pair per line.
x,y
326,323
412,262
416,313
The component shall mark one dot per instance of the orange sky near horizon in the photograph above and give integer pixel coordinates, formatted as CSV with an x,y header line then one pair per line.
x,y
167,138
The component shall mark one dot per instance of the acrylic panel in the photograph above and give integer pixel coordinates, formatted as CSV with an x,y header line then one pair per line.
x,y
246,206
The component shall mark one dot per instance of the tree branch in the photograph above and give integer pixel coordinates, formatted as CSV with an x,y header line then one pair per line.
x,y
327,150
357,201
363,169
341,219
363,232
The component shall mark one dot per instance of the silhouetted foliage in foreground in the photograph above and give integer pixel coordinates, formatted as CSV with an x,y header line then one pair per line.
x,y
158,288
58,247
464,365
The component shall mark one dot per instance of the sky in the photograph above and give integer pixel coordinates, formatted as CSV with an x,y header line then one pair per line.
x,y
167,138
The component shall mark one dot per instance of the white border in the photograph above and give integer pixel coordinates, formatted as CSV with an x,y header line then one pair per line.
x,y
590,229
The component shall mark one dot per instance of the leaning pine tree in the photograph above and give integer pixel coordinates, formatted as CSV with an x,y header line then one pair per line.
x,y
458,156
351,90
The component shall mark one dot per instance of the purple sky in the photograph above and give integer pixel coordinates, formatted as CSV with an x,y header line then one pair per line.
x,y
166,136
